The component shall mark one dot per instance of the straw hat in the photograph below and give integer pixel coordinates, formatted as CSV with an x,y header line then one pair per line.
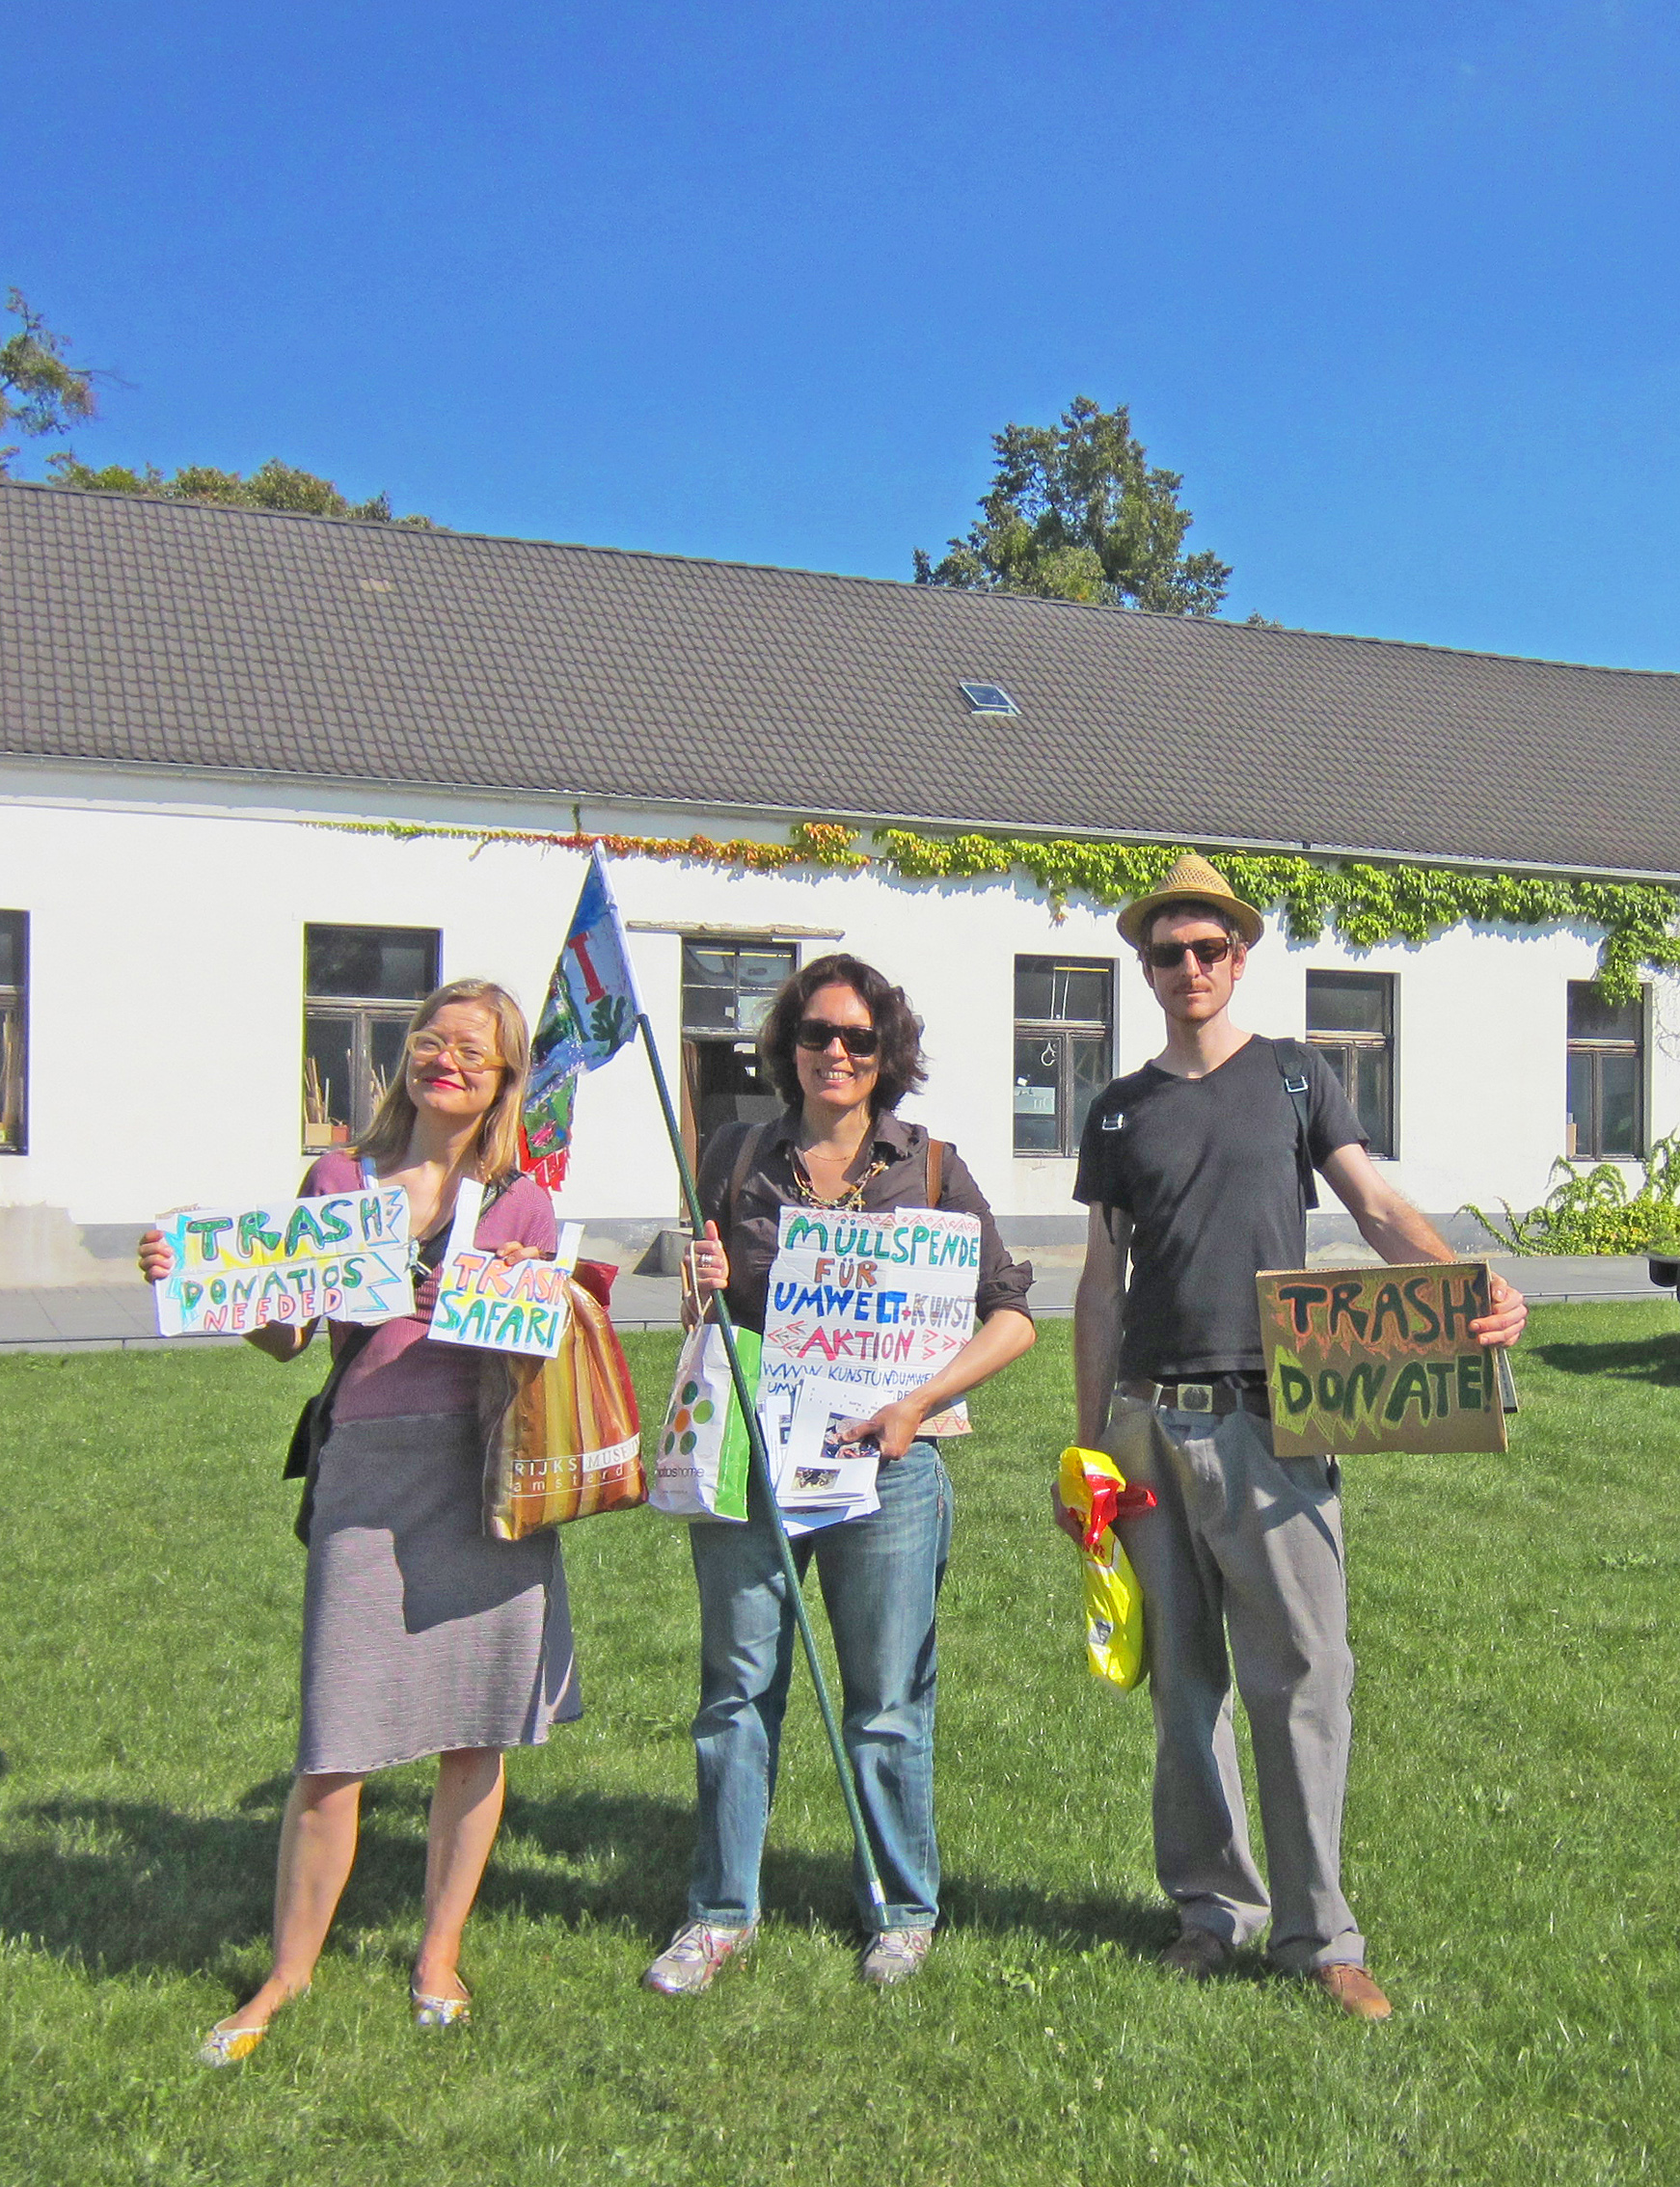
x,y
1191,880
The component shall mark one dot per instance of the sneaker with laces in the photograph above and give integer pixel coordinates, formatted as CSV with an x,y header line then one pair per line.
x,y
894,1954
691,1960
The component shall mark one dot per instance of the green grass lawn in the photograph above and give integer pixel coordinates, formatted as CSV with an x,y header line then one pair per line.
x,y
1511,1843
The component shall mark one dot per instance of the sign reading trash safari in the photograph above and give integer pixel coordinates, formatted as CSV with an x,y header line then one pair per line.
x,y
1379,1359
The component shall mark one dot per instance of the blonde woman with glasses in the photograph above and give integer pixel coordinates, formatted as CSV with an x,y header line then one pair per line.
x,y
420,1637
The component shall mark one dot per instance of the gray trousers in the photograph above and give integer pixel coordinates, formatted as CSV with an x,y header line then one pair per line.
x,y
1248,1544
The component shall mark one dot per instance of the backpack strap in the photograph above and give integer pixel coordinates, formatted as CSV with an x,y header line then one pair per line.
x,y
935,1159
1113,1118
751,1138
1293,1067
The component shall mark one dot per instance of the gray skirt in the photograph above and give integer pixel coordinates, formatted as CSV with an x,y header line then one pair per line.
x,y
421,1634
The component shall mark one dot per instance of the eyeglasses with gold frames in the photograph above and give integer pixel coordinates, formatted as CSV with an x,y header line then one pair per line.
x,y
426,1046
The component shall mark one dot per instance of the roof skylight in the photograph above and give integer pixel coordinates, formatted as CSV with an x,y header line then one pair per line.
x,y
987,698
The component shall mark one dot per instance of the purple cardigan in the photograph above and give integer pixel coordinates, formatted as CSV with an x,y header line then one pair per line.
x,y
400,1369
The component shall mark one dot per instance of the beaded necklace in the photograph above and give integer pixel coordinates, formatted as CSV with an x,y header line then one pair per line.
x,y
850,1200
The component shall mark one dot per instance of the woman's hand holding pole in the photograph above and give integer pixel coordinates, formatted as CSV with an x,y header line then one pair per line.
x,y
705,1273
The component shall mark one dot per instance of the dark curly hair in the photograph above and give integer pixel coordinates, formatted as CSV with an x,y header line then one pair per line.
x,y
901,1068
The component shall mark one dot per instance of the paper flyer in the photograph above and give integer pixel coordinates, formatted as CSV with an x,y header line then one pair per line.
x,y
824,1462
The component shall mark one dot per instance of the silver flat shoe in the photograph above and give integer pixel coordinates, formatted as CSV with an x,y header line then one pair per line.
x,y
439,2012
227,2047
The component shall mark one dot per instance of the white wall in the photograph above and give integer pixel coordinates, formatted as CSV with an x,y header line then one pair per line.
x,y
167,926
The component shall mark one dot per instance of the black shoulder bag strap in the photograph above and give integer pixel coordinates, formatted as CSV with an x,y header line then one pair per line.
x,y
1292,1068
311,1431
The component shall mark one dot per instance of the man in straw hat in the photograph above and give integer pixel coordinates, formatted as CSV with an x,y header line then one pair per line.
x,y
1198,1168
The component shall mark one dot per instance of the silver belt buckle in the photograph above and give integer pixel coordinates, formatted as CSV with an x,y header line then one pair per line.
x,y
1195,1397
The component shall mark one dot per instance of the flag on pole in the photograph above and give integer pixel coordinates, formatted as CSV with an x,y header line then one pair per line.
x,y
590,1012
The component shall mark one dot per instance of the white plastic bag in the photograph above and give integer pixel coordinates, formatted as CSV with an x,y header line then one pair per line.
x,y
703,1457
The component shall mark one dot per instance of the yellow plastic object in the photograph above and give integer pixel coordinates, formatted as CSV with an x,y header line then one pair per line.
x,y
1091,1481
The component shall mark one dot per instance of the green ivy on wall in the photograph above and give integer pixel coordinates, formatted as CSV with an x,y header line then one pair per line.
x,y
1363,902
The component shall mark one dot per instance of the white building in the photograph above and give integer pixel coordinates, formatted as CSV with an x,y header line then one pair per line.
x,y
250,762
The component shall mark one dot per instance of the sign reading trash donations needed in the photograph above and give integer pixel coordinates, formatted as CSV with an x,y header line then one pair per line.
x,y
876,1303
496,1305
344,1254
1379,1359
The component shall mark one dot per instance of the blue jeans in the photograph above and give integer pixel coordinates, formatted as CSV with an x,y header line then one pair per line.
x,y
881,1579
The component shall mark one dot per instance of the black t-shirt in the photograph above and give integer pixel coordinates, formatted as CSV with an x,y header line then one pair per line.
x,y
1205,1169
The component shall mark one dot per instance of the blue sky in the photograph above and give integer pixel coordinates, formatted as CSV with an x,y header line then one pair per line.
x,y
1393,287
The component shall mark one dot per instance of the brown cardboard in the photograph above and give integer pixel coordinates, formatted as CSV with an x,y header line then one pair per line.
x,y
1378,1358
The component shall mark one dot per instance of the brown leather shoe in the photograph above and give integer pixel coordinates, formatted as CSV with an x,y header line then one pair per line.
x,y
1196,1954
1353,1990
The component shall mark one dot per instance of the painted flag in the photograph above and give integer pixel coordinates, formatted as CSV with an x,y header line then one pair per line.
x,y
589,1013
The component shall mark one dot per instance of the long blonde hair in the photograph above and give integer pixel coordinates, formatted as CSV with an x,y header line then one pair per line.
x,y
498,1144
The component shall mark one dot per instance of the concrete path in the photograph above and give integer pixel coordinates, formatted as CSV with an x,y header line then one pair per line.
x,y
118,1316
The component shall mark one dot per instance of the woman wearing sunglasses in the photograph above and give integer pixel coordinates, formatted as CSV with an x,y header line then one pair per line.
x,y
420,1637
843,1049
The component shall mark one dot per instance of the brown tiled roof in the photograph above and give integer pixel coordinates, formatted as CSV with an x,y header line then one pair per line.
x,y
173,635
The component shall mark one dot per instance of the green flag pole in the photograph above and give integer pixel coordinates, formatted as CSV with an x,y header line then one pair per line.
x,y
766,1486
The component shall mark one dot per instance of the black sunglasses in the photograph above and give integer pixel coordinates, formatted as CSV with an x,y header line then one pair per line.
x,y
817,1033
1211,949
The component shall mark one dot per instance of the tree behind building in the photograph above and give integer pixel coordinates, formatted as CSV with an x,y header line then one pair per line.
x,y
1075,512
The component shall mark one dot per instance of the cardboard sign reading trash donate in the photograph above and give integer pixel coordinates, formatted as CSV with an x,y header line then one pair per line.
x,y
877,1301
344,1254
1379,1359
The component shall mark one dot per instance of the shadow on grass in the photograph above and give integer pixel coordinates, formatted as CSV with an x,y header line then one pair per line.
x,y
133,1886
1650,1359
650,1841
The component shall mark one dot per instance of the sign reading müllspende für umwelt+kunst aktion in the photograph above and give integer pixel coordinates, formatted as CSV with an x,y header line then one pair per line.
x,y
877,1303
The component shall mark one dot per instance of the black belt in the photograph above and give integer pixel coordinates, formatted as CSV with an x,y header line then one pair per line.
x,y
1215,1397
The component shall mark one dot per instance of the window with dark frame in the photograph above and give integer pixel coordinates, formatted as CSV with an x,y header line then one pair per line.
x,y
361,984
1350,1021
1063,1048
14,1032
1606,1115
727,990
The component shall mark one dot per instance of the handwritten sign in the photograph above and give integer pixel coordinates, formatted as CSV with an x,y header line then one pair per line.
x,y
877,1304
520,1307
500,1306
1379,1359
344,1255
